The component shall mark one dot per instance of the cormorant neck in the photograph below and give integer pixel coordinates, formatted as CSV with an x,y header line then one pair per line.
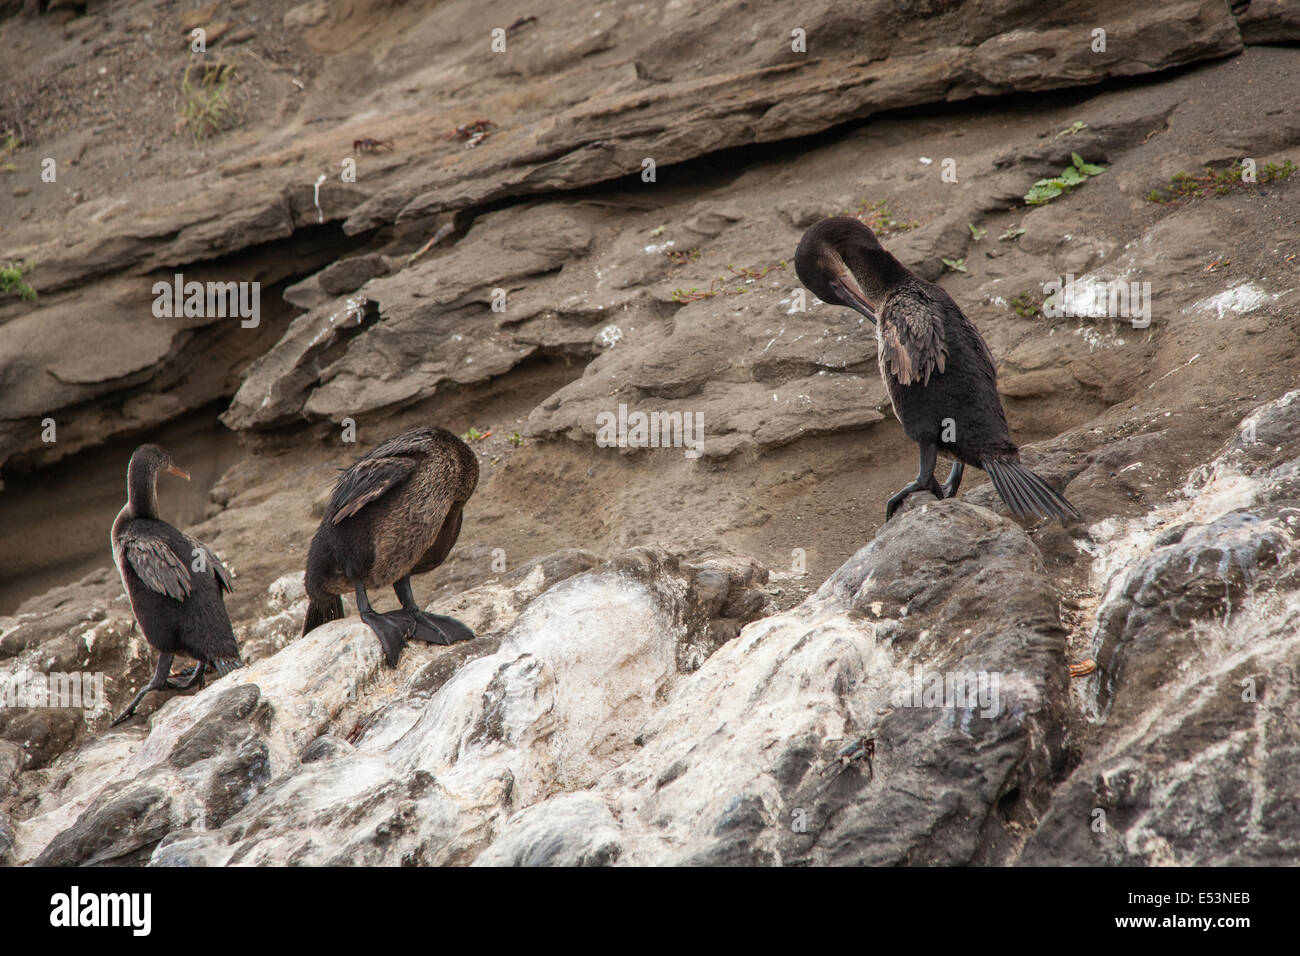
x,y
877,271
142,492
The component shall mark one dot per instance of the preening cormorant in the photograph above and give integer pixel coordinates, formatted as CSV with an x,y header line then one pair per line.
x,y
174,582
937,368
394,513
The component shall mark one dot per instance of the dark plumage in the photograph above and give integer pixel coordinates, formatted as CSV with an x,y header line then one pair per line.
x,y
394,513
174,582
934,363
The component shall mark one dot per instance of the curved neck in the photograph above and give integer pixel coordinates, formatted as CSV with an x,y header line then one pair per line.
x,y
877,271
142,492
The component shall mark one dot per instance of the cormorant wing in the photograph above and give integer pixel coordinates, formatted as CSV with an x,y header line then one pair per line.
x,y
155,562
224,580
911,331
368,479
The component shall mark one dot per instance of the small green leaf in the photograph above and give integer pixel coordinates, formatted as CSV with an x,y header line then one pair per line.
x,y
1077,160
1088,169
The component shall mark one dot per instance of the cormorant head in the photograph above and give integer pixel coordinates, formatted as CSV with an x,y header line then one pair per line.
x,y
841,261
148,461
142,478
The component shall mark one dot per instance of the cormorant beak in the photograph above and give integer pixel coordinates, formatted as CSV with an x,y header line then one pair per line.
x,y
178,472
850,294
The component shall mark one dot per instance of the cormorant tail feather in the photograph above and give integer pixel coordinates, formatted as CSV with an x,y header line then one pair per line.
x,y
1026,493
322,610
225,667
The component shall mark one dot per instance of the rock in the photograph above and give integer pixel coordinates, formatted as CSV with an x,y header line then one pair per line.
x,y
1195,642
574,829
6,839
197,17
306,14
553,748
1269,21
11,762
215,31
686,707
607,121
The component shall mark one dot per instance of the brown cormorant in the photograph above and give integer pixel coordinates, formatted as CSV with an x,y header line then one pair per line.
x,y
174,582
394,513
937,368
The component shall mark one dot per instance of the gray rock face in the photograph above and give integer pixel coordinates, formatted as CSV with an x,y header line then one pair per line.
x,y
1195,695
636,85
592,735
683,707
915,709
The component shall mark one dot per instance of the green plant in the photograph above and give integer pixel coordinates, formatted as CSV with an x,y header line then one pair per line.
x,y
475,435
1045,190
879,218
682,258
9,142
956,265
1011,235
205,107
1072,129
976,232
745,272
1220,182
516,439
11,280
1026,305
694,294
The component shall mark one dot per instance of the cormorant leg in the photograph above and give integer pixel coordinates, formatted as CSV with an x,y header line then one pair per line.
x,y
954,480
924,480
187,679
431,628
157,682
392,636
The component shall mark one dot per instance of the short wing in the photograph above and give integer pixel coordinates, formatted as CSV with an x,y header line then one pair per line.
x,y
377,473
156,563
364,482
911,333
223,576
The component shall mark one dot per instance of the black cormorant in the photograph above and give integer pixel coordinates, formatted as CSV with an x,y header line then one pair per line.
x,y
394,513
174,582
937,368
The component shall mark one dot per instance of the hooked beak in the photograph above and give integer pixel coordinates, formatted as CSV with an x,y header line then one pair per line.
x,y
178,472
850,294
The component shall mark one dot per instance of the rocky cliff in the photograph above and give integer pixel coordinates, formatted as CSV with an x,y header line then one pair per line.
x,y
712,658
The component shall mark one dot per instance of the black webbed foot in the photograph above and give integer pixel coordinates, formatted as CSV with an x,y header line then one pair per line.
x,y
392,629
187,679
430,628
157,682
439,629
893,504
925,481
